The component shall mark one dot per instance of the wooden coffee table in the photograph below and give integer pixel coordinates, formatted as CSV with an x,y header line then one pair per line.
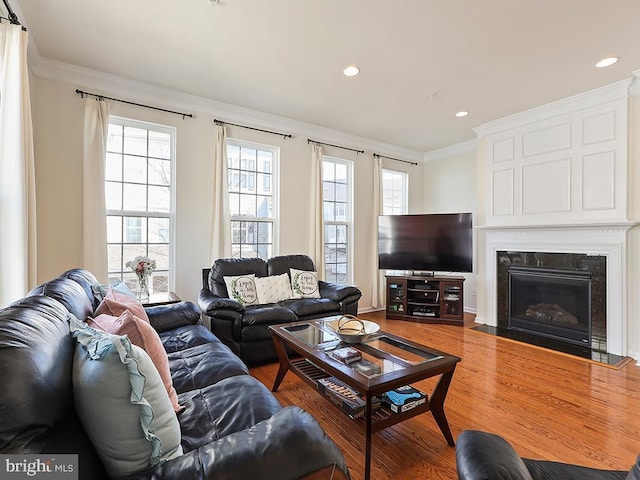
x,y
401,362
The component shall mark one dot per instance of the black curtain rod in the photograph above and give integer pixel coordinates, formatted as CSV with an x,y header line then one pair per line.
x,y
102,97
285,135
337,146
376,155
13,18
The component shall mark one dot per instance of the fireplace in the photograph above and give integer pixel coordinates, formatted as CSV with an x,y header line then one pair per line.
x,y
550,302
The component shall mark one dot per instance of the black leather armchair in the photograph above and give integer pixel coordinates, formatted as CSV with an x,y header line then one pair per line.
x,y
245,329
486,456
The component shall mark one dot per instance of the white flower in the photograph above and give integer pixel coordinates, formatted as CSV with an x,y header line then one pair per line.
x,y
142,265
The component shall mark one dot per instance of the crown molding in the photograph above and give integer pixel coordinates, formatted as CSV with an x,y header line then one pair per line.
x,y
450,150
143,92
608,93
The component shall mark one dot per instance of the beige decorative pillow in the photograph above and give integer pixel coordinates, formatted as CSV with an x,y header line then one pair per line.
x,y
304,284
242,288
273,289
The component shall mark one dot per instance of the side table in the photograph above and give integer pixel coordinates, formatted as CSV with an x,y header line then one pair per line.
x,y
161,298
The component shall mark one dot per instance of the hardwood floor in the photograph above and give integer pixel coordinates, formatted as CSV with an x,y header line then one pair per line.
x,y
546,404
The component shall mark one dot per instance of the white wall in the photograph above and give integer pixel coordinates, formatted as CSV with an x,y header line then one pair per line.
x,y
449,186
58,117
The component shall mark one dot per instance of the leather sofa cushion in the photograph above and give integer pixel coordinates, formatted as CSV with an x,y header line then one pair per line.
x,y
267,315
69,293
36,390
229,406
304,307
544,470
185,337
203,365
282,264
229,267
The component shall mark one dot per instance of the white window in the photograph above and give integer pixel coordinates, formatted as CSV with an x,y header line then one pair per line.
x,y
252,202
394,192
336,203
139,196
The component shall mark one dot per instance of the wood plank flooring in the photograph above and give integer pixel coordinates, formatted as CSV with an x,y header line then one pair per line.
x,y
546,404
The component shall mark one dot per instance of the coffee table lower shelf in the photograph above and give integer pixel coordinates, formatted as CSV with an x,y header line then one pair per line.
x,y
381,418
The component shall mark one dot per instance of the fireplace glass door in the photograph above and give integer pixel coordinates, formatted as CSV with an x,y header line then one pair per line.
x,y
551,303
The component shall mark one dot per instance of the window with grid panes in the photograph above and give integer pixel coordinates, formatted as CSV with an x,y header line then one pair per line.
x,y
138,192
394,192
251,181
336,206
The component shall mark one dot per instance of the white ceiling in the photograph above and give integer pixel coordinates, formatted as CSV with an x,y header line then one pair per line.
x,y
285,57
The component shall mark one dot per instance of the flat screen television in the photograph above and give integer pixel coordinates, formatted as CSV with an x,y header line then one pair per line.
x,y
427,242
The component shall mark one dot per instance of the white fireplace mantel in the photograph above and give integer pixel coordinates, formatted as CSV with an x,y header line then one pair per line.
x,y
608,239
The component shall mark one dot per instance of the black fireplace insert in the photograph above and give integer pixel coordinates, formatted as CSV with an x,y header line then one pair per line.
x,y
550,302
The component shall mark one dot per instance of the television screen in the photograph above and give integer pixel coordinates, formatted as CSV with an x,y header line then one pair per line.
x,y
429,242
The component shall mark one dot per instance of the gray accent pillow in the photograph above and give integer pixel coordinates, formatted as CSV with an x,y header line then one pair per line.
x,y
100,291
122,402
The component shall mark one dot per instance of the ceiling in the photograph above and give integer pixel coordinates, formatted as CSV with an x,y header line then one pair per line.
x,y
421,61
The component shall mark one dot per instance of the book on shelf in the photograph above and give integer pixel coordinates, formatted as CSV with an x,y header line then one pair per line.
x,y
345,355
403,399
349,400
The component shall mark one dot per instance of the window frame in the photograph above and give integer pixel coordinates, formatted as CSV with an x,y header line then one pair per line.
x,y
172,132
273,191
350,216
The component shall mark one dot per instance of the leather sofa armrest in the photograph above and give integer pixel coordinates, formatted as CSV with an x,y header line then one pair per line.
x,y
168,317
286,446
483,455
337,292
210,304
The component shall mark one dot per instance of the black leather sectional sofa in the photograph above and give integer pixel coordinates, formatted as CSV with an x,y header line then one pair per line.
x,y
232,427
245,329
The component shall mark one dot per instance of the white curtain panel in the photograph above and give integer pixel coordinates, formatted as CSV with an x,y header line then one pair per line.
x,y
316,225
94,220
220,215
17,169
377,282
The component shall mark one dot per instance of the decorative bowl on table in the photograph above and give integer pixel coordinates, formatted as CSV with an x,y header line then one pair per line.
x,y
352,329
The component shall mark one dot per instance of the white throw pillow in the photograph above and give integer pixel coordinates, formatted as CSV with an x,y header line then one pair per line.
x,y
304,284
242,288
273,289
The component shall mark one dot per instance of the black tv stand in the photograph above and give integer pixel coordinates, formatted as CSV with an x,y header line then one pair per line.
x,y
427,299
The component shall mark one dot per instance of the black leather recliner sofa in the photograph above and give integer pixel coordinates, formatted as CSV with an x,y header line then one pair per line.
x,y
245,329
232,427
487,456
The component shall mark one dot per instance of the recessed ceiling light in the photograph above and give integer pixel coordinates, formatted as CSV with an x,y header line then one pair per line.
x,y
605,62
462,114
351,71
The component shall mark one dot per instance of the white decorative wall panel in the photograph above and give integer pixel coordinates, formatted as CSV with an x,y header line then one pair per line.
x,y
546,140
598,181
599,128
502,189
546,187
503,150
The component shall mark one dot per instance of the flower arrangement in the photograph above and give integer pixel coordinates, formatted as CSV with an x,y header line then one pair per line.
x,y
142,266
